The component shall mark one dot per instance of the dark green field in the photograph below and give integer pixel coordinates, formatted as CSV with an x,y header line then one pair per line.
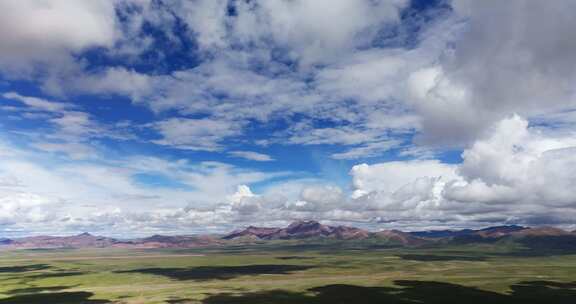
x,y
289,273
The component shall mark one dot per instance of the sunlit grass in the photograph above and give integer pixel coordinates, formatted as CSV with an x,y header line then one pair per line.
x,y
160,276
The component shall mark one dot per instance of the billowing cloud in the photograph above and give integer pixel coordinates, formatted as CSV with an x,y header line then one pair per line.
x,y
40,32
305,27
513,57
453,114
110,196
513,174
515,165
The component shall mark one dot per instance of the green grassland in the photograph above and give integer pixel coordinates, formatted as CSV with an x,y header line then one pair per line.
x,y
290,272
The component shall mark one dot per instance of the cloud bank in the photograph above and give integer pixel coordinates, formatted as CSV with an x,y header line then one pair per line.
x,y
170,116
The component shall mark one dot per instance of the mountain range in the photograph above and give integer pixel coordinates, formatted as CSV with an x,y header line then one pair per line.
x,y
541,237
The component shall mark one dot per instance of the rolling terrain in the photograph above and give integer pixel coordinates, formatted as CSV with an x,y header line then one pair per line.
x,y
307,231
306,262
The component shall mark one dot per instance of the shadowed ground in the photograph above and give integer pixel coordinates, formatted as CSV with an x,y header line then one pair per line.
x,y
25,268
408,292
54,298
432,257
219,272
284,273
49,295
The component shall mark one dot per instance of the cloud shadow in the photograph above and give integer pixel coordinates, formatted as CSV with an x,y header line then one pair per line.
x,y
409,292
203,273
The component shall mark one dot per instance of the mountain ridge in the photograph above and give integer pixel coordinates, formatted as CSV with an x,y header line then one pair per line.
x,y
306,230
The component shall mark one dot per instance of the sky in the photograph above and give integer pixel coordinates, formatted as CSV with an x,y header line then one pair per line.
x,y
135,117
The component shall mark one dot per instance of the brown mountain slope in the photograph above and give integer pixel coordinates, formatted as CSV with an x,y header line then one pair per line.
x,y
301,230
541,231
397,236
84,240
252,231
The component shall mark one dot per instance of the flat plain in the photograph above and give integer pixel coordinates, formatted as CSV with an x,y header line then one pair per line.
x,y
289,272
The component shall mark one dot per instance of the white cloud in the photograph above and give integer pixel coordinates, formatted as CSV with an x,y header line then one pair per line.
x,y
318,199
206,18
447,115
42,195
303,133
195,134
371,149
112,81
455,88
516,165
306,28
512,57
302,65
38,103
513,174
391,176
48,32
251,155
74,123
365,140
227,86
71,131
368,76
73,150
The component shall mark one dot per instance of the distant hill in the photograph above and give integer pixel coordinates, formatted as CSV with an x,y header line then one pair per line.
x,y
540,231
545,239
84,240
5,241
437,234
252,232
486,232
178,241
301,230
315,230
399,237
536,238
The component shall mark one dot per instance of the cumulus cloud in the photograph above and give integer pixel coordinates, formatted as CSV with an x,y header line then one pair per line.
x,y
287,58
39,32
318,199
513,57
265,61
391,176
513,174
41,194
517,165
305,27
306,76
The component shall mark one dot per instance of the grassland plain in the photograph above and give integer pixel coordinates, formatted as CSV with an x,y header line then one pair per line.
x,y
290,272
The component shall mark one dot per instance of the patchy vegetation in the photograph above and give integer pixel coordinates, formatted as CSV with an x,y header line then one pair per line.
x,y
293,271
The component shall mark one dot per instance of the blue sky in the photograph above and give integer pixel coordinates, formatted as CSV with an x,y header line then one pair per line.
x,y
134,117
